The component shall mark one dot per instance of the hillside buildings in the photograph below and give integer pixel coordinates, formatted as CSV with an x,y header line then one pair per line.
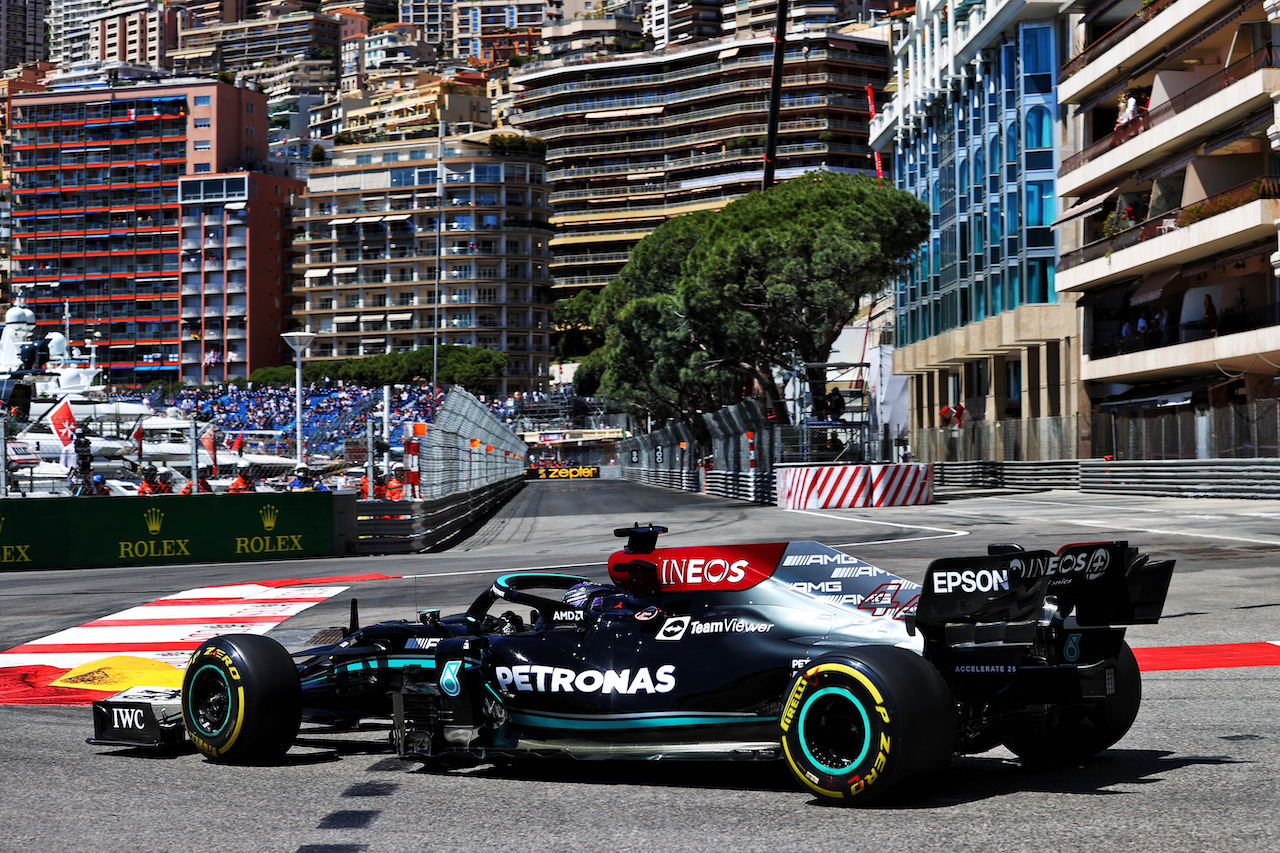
x,y
146,227
418,242
635,140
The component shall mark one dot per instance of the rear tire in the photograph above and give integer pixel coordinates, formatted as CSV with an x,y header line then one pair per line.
x,y
855,724
242,699
1071,736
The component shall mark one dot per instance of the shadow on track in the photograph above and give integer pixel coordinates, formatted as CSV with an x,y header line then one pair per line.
x,y
966,780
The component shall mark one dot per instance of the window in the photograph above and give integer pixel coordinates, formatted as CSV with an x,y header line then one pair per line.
x,y
202,167
1040,204
1038,65
364,159
202,100
203,122
202,145
248,107
390,156
1039,128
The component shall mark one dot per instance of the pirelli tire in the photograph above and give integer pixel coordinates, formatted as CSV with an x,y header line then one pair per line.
x,y
855,724
1070,736
242,699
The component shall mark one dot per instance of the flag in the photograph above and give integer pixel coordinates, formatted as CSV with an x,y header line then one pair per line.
x,y
238,443
136,435
63,422
210,442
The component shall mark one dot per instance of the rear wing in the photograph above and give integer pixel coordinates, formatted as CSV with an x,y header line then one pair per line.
x,y
1100,583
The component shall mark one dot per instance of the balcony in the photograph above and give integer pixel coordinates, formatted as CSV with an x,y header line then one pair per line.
x,y
1235,217
1211,106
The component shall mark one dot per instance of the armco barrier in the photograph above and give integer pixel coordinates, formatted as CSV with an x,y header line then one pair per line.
x,y
405,527
1050,474
678,479
1183,478
741,486
68,533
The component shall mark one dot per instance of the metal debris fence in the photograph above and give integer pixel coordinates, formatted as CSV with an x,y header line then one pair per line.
x,y
467,448
1237,431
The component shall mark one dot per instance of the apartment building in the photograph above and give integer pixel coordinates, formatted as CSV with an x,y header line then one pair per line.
x,y
412,243
1173,184
971,131
243,45
68,29
144,227
475,19
636,140
140,33
22,32
435,17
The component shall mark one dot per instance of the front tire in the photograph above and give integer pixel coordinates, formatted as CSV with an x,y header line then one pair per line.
x,y
856,724
1072,736
242,699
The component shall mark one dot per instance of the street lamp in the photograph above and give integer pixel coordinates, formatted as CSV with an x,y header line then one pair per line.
x,y
298,341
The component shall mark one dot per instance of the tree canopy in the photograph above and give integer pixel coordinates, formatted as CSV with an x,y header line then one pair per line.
x,y
456,365
712,307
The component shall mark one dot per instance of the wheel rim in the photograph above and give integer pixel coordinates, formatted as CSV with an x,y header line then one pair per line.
x,y
209,701
835,730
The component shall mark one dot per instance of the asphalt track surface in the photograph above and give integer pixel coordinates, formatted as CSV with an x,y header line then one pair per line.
x,y
1198,771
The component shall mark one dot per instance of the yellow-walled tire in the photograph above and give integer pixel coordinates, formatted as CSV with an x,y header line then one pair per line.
x,y
855,724
241,699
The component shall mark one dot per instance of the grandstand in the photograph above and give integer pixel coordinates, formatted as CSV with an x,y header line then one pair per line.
x,y
333,414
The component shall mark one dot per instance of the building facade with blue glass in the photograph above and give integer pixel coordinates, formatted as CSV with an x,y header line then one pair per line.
x,y
971,129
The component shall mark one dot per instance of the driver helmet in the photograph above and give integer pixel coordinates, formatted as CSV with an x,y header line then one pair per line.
x,y
301,471
589,595
97,478
166,475
243,465
148,471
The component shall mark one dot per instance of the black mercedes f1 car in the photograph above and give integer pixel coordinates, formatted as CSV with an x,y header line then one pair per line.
x,y
856,677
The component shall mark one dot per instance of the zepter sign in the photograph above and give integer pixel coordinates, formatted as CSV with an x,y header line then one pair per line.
x,y
700,569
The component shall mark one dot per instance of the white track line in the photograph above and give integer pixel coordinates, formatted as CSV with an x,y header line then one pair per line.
x,y
1119,526
943,532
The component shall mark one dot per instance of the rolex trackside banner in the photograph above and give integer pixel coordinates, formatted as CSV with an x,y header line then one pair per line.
x,y
131,531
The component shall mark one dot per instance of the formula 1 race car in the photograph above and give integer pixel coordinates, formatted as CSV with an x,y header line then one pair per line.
x,y
857,678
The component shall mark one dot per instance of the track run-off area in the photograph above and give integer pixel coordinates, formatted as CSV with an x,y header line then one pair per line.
x,y
1200,770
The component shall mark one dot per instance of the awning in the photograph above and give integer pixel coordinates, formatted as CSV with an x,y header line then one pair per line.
x,y
399,217
343,270
316,273
394,317
365,220
1086,207
347,319
234,205
638,111
1169,165
727,52
1241,130
1153,286
372,318
341,221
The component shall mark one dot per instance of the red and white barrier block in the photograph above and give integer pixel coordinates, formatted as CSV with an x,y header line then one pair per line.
x,y
850,486
901,485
